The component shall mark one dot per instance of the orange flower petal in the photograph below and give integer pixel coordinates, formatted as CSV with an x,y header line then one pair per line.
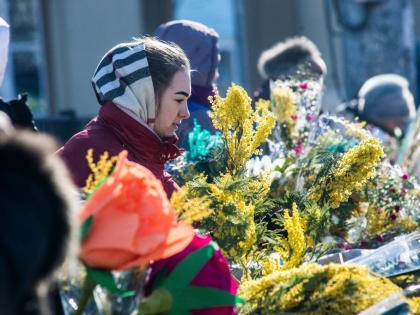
x,y
179,237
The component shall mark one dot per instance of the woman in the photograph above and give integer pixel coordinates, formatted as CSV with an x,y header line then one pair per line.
x,y
143,88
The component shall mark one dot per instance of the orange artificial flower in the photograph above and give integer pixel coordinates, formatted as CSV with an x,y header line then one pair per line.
x,y
133,222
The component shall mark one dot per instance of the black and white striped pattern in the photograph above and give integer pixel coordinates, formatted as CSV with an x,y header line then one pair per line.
x,y
123,77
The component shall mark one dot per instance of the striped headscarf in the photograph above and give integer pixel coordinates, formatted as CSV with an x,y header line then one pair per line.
x,y
123,77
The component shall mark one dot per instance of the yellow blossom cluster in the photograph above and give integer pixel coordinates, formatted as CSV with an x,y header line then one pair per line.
x,y
190,210
236,119
330,289
292,251
99,170
284,107
414,304
269,265
351,173
379,222
235,228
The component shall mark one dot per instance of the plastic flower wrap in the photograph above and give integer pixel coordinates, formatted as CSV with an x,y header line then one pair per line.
x,y
196,280
315,289
409,151
296,105
126,222
400,256
390,208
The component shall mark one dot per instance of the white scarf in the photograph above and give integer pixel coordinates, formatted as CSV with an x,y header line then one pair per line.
x,y
123,77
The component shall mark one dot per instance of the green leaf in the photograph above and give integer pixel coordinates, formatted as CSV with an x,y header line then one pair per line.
x,y
194,297
178,312
106,280
160,279
188,268
85,227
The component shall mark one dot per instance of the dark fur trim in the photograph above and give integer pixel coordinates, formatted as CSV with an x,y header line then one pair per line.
x,y
283,59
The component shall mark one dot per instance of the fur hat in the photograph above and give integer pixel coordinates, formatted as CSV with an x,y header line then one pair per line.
x,y
283,59
386,97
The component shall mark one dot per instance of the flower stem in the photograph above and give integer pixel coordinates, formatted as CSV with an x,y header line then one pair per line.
x,y
160,301
87,293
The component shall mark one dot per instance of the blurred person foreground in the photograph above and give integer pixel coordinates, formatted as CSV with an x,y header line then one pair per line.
x,y
38,207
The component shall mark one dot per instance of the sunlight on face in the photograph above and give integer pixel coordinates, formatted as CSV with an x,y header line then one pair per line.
x,y
173,106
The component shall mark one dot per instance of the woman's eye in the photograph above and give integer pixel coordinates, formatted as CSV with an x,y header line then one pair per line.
x,y
179,101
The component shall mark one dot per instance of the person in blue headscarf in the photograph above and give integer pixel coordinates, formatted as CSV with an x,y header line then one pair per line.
x,y
200,44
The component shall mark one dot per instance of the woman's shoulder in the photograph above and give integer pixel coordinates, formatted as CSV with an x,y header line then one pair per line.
x,y
93,136
74,151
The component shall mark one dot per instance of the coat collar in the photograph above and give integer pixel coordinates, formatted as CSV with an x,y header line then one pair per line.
x,y
140,140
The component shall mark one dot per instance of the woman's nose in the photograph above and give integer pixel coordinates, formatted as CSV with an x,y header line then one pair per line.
x,y
184,112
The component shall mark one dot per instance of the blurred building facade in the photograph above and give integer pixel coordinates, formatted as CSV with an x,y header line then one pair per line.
x,y
56,44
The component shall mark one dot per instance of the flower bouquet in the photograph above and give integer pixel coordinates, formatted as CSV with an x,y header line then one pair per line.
x,y
125,223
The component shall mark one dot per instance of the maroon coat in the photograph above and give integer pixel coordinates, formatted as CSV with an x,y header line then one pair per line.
x,y
114,131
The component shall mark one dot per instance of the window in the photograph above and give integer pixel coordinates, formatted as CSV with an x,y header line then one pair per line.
x,y
26,65
223,16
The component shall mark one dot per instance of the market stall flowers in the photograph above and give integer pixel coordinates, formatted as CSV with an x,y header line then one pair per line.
x,y
132,222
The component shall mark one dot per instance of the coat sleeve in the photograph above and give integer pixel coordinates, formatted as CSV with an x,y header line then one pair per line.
x,y
169,184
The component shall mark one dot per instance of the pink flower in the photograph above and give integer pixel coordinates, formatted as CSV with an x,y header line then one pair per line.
x,y
393,216
380,211
294,116
341,245
380,238
371,127
392,189
363,244
403,191
309,117
405,177
303,85
397,208
348,247
298,149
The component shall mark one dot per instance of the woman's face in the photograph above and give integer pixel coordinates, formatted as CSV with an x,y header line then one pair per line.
x,y
173,106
